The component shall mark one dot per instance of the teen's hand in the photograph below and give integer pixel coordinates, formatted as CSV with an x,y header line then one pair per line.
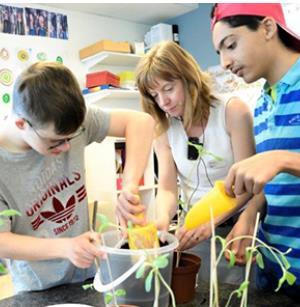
x,y
243,227
82,250
129,207
190,238
250,175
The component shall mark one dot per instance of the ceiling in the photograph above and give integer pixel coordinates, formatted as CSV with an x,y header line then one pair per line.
x,y
145,13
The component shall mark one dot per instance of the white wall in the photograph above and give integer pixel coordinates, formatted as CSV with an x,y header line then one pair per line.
x,y
84,29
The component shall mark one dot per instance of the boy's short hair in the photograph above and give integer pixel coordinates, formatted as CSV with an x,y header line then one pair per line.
x,y
48,93
225,11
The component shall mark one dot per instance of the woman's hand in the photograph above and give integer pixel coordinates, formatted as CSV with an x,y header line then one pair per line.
x,y
190,238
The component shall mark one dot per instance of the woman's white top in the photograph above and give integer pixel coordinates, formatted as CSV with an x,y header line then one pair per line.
x,y
217,158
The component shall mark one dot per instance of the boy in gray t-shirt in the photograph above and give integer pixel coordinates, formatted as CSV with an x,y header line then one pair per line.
x,y
42,175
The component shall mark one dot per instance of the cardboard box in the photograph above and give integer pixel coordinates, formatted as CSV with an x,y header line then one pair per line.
x,y
101,78
104,45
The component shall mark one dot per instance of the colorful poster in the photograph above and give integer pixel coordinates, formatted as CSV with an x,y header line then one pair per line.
x,y
34,22
12,20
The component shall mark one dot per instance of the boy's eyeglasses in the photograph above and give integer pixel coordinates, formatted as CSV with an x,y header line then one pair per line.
x,y
60,142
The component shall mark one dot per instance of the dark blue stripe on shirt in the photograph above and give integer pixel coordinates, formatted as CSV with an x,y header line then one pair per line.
x,y
284,211
261,127
279,143
283,189
261,109
285,231
292,96
287,120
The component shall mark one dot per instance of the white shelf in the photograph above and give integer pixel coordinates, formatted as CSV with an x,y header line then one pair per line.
x,y
112,58
111,93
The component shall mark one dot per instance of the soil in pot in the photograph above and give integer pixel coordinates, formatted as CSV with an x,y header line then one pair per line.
x,y
184,277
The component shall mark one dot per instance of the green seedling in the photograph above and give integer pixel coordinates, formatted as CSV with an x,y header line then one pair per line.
x,y
5,214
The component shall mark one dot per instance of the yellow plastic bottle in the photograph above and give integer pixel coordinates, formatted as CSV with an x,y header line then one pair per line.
x,y
217,199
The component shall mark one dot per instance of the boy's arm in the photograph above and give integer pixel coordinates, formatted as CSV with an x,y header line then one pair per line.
x,y
80,250
167,193
138,129
252,174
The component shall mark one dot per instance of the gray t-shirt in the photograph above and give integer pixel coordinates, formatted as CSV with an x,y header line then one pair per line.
x,y
50,193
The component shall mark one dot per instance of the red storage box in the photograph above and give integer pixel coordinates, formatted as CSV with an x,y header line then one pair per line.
x,y
101,78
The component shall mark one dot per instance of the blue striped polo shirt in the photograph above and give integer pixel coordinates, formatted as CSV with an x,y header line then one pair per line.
x,y
277,126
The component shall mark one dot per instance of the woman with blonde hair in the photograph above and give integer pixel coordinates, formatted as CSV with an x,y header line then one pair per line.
x,y
180,98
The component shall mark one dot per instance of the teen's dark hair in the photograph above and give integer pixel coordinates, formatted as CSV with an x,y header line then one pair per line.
x,y
252,23
48,93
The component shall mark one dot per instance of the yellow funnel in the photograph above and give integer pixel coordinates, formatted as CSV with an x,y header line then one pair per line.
x,y
143,237
217,199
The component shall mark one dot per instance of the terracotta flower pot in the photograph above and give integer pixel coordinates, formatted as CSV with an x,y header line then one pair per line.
x,y
184,277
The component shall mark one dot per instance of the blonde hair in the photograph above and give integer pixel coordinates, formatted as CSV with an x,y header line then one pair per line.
x,y
168,61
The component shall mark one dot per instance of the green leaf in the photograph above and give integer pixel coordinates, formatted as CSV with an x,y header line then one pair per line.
x,y
108,297
148,281
161,262
244,285
248,253
10,212
101,228
290,278
140,272
231,258
260,261
180,202
1,222
120,292
87,286
129,225
285,262
103,220
281,281
222,241
2,269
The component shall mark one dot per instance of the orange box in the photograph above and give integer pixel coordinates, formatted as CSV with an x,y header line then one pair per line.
x,y
104,45
102,78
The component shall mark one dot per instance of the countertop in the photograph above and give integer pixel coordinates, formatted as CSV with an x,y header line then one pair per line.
x,y
73,293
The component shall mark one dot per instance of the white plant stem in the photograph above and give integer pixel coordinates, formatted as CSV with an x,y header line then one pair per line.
x,y
156,289
214,297
168,288
249,262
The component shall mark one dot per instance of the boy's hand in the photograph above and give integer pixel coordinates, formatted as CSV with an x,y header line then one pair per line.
x,y
129,207
82,250
250,175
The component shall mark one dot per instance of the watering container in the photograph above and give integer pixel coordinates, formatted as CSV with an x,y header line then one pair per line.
x,y
118,271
